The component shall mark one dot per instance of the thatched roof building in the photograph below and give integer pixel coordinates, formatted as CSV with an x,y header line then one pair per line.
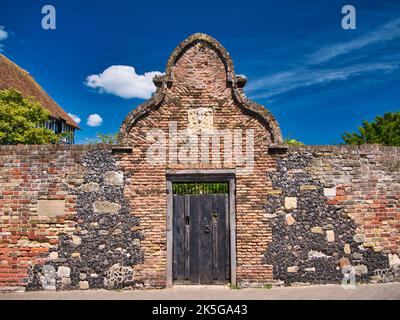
x,y
14,77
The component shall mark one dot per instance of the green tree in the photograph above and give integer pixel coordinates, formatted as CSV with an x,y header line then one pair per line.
x,y
107,138
382,130
292,142
21,120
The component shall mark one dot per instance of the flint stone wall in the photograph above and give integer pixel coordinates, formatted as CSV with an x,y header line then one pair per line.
x,y
335,210
95,243
327,208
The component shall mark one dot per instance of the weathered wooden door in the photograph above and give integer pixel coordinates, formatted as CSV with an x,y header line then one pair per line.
x,y
201,236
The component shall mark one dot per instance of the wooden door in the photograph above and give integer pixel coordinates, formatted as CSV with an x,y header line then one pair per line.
x,y
201,238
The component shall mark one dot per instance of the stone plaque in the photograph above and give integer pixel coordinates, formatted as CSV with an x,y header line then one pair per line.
x,y
51,208
200,119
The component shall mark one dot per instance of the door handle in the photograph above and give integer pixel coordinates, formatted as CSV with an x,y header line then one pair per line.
x,y
207,229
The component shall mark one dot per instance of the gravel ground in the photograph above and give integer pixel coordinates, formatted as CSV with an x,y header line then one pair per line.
x,y
389,291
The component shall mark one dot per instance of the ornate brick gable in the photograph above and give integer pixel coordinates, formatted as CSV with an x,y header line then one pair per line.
x,y
200,73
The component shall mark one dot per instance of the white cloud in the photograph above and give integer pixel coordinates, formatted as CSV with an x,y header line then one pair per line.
x,y
3,33
123,81
286,81
3,36
387,32
312,74
75,118
94,120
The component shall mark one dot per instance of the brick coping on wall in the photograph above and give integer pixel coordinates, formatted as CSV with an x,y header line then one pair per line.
x,y
365,148
359,149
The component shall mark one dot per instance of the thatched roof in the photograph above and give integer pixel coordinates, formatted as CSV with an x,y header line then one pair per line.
x,y
14,77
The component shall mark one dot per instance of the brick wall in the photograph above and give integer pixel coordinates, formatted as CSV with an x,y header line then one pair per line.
x,y
302,215
345,192
200,80
29,174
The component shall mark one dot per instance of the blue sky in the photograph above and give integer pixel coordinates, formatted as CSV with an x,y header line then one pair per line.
x,y
318,79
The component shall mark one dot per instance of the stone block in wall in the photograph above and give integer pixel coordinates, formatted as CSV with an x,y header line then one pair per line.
x,y
292,269
114,178
308,188
51,208
106,207
330,235
290,203
200,119
330,192
63,272
394,261
90,187
289,220
316,230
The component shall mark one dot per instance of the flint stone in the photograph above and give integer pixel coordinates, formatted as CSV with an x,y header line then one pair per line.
x,y
76,255
359,238
357,256
292,269
316,254
83,285
290,220
330,235
53,255
394,261
66,281
48,278
360,269
316,230
117,232
76,240
368,245
344,262
63,272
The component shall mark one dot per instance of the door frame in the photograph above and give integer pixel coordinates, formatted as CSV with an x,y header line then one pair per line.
x,y
190,176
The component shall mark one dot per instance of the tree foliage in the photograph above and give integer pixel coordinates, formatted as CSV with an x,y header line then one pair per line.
x,y
107,138
382,130
21,118
292,142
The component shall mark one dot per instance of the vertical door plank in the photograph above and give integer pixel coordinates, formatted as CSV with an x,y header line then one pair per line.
x,y
179,234
194,240
206,239
187,238
222,247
